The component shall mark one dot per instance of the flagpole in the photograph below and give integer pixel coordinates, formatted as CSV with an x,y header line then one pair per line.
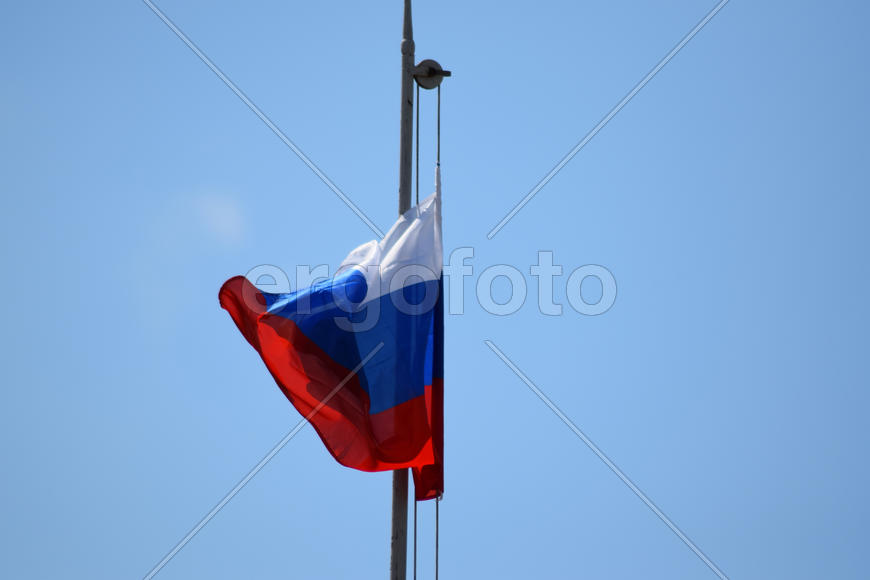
x,y
399,536
406,123
428,74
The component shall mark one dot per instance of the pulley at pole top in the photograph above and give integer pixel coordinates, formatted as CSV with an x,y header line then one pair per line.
x,y
429,74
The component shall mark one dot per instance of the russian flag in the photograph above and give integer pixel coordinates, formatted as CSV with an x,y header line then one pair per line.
x,y
361,354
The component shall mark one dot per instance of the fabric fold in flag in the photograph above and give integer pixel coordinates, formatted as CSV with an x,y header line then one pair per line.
x,y
389,414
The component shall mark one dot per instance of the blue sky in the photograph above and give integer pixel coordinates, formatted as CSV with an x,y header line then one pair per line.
x,y
728,199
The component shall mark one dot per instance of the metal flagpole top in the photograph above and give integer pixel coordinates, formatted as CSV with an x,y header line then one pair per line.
x,y
428,74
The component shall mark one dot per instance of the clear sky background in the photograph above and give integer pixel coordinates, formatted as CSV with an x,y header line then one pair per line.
x,y
729,200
